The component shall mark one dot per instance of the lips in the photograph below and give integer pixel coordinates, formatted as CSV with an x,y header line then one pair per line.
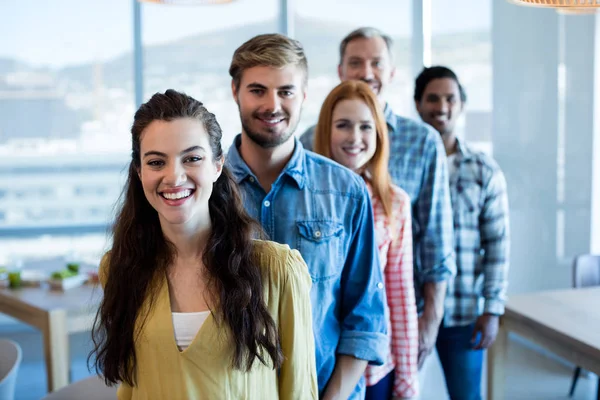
x,y
353,150
372,84
271,121
177,195
442,119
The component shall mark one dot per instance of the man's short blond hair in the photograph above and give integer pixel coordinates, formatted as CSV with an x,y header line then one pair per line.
x,y
268,50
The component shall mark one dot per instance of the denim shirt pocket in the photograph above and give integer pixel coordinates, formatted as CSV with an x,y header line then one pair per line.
x,y
321,245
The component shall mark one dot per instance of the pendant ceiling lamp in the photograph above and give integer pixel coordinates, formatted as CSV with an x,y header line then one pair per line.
x,y
187,2
563,6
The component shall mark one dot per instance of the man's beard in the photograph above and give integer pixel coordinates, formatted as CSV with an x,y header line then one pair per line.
x,y
267,140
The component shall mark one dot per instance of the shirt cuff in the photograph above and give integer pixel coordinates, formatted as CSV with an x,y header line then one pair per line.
x,y
405,389
370,346
493,306
440,272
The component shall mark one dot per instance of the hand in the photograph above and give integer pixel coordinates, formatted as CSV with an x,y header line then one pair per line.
x,y
428,331
487,325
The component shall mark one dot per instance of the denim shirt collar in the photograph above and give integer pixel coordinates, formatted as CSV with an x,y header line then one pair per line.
x,y
295,168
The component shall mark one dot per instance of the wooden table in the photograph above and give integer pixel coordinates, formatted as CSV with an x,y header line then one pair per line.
x,y
566,322
56,314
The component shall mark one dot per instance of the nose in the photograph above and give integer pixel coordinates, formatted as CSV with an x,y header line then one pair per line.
x,y
356,135
444,107
272,103
367,71
175,174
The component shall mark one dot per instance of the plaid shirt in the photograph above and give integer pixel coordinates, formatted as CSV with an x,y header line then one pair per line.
x,y
418,165
394,239
481,230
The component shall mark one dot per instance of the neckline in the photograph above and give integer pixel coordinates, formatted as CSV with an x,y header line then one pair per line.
x,y
171,328
195,313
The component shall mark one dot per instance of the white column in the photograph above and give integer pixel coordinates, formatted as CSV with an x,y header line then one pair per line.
x,y
579,46
524,136
286,17
595,195
420,45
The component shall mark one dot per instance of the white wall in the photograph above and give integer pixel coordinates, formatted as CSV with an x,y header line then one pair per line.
x,y
595,198
543,138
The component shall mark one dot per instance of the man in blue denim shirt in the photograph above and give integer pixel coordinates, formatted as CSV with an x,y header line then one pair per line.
x,y
418,165
313,205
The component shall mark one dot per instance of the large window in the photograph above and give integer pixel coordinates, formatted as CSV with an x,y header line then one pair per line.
x,y
67,96
461,40
67,91
66,102
189,48
322,24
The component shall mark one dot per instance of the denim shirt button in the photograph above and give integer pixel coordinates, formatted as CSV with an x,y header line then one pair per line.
x,y
251,179
267,203
380,285
318,234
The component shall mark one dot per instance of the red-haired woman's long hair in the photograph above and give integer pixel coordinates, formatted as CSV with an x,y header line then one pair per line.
x,y
377,166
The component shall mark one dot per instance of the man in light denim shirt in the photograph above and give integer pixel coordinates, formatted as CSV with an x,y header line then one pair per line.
x,y
418,165
313,205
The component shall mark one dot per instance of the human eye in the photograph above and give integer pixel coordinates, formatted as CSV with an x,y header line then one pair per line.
x,y
432,99
155,163
342,125
193,159
286,93
366,127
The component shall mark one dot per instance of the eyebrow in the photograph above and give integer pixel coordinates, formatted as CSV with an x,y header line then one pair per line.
x,y
364,121
160,154
256,85
360,58
441,94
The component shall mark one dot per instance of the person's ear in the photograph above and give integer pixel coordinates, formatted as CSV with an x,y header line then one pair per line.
x,y
218,168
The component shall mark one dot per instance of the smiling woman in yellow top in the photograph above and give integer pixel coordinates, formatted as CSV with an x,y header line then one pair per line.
x,y
194,307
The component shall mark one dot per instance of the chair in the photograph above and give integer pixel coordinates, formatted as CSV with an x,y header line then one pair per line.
x,y
91,388
10,359
586,273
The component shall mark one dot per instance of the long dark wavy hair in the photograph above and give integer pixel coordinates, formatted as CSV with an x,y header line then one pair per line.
x,y
140,255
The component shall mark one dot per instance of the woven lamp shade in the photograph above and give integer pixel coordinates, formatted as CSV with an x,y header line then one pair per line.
x,y
187,2
563,6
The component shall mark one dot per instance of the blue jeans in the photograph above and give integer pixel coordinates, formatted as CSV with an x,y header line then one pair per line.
x,y
383,389
461,364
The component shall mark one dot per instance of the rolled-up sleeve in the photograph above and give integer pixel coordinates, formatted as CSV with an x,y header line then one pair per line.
x,y
364,325
434,250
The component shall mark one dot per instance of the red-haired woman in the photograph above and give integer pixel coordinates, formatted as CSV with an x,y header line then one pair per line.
x,y
352,131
